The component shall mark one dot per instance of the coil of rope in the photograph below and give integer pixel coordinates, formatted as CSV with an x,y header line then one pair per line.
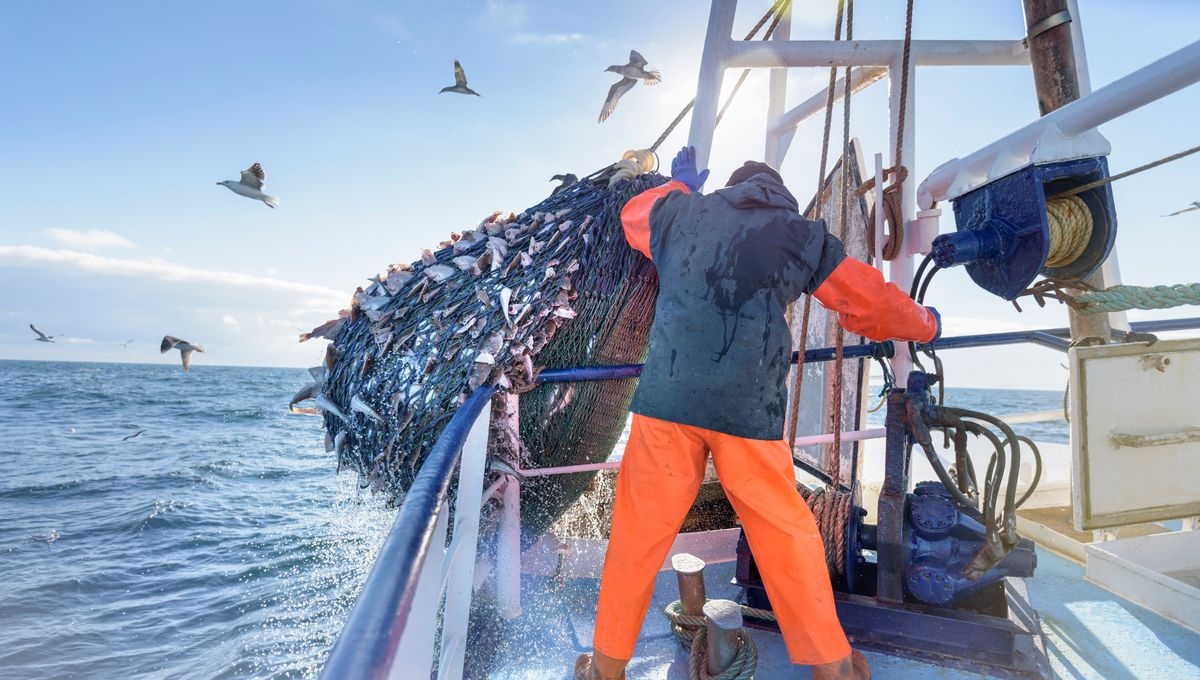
x,y
692,635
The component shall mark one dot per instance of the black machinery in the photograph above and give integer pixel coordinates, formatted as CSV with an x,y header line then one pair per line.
x,y
939,577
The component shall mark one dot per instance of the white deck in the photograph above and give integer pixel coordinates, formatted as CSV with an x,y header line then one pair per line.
x,y
1089,634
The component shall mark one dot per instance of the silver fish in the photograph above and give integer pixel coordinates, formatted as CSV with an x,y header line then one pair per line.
x,y
326,404
357,404
309,391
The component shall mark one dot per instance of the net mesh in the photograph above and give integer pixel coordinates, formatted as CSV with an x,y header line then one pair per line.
x,y
555,286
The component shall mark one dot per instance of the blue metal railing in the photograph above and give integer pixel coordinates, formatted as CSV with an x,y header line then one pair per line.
x,y
368,641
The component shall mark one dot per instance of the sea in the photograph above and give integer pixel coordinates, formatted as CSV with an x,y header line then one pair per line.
x,y
220,542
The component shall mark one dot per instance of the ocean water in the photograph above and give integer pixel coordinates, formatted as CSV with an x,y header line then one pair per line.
x,y
219,543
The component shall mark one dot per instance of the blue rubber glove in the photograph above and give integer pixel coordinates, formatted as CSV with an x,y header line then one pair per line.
x,y
937,317
683,169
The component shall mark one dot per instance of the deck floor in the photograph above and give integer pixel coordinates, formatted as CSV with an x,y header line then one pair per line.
x,y
1090,634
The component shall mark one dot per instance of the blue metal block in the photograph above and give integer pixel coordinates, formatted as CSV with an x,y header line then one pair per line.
x,y
942,541
1003,234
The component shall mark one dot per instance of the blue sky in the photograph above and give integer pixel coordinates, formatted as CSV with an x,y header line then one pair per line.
x,y
119,118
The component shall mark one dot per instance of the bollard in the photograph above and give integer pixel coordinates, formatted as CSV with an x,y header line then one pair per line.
x,y
724,623
689,569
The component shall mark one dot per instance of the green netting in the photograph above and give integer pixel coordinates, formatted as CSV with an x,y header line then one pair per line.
x,y
556,286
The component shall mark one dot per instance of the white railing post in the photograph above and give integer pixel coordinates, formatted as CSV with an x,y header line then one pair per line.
x,y
414,653
458,576
508,549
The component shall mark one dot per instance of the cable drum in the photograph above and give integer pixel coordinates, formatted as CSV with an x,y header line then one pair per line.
x,y
1070,229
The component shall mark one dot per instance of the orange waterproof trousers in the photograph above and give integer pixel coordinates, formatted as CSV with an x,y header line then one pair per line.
x,y
659,478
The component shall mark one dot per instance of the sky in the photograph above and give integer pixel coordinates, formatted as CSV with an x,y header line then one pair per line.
x,y
118,119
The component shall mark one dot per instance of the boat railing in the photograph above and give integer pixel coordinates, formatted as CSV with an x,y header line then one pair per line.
x,y
425,572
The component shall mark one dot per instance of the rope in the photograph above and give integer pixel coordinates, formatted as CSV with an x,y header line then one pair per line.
x,y
777,10
892,196
741,668
1070,229
684,626
794,414
693,635
1122,175
839,334
1122,298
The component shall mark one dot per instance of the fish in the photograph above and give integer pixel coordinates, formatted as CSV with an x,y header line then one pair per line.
x,y
358,404
326,404
305,393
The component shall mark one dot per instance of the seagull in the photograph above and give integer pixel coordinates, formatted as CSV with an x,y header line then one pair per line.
x,y
632,72
251,185
125,344
132,436
567,180
185,349
42,337
1195,206
460,82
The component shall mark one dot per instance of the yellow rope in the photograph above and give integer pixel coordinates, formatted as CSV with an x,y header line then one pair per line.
x,y
1070,229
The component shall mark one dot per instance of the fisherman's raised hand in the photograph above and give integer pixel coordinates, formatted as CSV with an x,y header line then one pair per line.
x,y
683,169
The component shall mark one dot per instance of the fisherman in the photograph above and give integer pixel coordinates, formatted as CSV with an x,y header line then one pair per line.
x,y
728,265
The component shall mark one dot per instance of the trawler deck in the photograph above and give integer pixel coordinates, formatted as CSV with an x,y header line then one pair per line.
x,y
1090,633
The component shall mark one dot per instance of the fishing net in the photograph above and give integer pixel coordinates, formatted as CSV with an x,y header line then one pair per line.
x,y
555,286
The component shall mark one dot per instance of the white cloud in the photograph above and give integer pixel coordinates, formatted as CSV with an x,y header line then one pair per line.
x,y
76,341
547,38
163,271
507,13
92,238
229,320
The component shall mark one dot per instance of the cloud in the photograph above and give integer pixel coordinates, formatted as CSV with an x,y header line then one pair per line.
x,y
229,320
76,341
547,38
92,238
507,13
164,271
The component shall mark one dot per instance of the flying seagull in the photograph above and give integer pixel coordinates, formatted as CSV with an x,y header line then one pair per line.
x,y
42,337
251,185
460,82
135,434
567,180
126,343
1195,206
632,72
185,349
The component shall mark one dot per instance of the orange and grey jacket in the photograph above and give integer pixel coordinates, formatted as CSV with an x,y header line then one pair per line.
x,y
729,263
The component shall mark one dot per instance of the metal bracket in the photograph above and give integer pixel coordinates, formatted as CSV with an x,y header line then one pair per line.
x,y
1056,19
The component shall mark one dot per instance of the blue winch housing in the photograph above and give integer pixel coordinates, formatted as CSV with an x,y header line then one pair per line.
x,y
942,542
1004,235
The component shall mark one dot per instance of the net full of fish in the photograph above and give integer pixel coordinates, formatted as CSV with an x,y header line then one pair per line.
x,y
554,286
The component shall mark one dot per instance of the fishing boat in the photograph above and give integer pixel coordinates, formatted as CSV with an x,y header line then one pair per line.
x,y
957,548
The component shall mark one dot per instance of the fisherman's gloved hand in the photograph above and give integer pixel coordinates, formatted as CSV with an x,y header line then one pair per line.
x,y
683,169
938,318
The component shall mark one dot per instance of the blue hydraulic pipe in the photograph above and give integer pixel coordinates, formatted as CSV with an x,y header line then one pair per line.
x,y
367,644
